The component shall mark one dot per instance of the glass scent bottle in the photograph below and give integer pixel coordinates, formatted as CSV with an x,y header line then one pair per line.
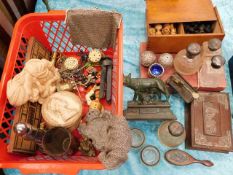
x,y
171,133
188,61
29,132
211,48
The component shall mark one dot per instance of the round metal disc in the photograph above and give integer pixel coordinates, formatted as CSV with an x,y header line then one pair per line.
x,y
138,137
150,155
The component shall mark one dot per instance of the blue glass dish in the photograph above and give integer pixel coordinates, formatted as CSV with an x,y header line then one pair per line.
x,y
156,70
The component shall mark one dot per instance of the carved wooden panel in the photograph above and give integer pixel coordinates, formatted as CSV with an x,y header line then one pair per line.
x,y
29,112
211,122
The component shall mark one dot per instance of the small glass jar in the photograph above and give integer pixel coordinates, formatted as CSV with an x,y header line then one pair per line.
x,y
188,61
171,133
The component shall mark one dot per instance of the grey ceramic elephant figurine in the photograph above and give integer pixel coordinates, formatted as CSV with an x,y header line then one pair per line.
x,y
146,90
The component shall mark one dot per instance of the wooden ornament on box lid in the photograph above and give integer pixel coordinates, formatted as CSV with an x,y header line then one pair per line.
x,y
210,122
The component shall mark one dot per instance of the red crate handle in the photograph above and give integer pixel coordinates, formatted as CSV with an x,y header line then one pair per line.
x,y
60,168
57,12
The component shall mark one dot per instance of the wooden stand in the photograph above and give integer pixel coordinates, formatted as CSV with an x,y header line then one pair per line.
x,y
158,111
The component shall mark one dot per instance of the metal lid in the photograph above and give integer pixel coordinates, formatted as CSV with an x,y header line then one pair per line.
x,y
175,128
138,137
150,155
217,61
20,128
214,44
193,50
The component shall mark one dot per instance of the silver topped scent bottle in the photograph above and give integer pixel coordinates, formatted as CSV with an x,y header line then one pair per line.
x,y
28,132
188,61
211,48
171,133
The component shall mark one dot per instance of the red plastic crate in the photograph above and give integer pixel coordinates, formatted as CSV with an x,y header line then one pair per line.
x,y
49,29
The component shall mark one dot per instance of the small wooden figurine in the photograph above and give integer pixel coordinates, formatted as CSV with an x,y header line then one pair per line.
x,y
173,29
166,30
152,31
158,29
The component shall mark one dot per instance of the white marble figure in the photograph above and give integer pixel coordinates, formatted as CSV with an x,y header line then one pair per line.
x,y
34,83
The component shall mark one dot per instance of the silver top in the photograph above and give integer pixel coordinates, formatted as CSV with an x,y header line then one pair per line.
x,y
175,128
214,44
193,50
217,61
138,137
20,128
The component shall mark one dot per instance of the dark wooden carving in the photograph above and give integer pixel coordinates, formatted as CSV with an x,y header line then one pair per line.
x,y
211,123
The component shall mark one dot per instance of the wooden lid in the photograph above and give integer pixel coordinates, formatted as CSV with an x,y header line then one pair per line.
x,y
171,11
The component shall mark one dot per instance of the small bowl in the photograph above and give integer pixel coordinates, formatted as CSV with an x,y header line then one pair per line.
x,y
150,155
156,70
138,137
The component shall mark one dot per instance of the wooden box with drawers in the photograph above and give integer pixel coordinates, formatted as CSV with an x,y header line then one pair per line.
x,y
180,13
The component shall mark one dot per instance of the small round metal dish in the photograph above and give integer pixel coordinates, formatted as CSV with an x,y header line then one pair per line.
x,y
150,155
138,137
156,70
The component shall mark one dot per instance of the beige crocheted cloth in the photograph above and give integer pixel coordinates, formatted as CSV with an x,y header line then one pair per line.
x,y
93,28
110,135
